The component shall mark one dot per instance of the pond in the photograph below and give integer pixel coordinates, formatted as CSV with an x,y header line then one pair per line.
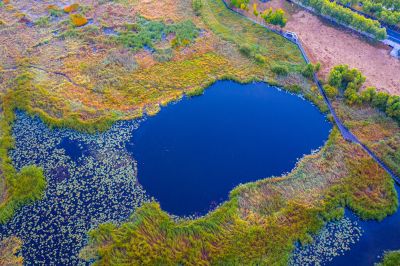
x,y
191,154
188,157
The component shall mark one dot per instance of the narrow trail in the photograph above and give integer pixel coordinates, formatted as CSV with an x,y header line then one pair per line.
x,y
346,133
65,76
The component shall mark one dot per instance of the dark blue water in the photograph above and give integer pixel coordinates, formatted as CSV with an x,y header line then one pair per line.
x,y
377,237
191,154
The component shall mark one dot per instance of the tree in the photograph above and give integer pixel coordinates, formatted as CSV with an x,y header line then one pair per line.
x,y
330,91
255,10
240,3
309,70
380,100
274,17
368,94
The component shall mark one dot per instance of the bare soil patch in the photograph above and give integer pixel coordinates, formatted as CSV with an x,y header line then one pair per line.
x,y
332,45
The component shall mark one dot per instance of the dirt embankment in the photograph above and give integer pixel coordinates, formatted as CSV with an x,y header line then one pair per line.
x,y
332,45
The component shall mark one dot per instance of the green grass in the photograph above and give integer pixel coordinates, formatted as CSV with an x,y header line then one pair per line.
x,y
22,187
244,33
391,258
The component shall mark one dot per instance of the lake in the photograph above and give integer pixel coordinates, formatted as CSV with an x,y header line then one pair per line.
x,y
192,153
188,157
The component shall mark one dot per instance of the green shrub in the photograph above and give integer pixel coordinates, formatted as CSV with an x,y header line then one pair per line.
x,y
331,91
274,17
145,33
280,70
309,70
197,5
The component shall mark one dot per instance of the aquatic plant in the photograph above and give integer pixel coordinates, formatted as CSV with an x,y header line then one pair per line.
x,y
333,240
91,183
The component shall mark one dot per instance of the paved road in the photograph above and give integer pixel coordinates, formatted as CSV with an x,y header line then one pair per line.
x,y
393,35
347,135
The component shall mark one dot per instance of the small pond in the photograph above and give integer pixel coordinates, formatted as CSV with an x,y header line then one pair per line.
x,y
188,157
192,153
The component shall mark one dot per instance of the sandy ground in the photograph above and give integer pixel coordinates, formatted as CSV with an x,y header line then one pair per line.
x,y
332,45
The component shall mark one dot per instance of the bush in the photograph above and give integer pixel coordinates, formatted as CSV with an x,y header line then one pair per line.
x,y
78,20
197,5
380,100
331,91
274,18
309,70
240,3
245,50
260,58
280,70
342,77
71,8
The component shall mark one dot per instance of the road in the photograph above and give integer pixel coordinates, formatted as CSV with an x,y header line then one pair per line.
x,y
393,35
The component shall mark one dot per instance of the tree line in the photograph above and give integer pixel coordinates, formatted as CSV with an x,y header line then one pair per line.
x,y
348,81
346,16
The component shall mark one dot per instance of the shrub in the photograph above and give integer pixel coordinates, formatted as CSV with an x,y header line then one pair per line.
x,y
274,17
309,70
342,77
197,5
260,58
280,70
163,55
54,11
331,91
42,21
71,8
255,10
379,100
240,3
245,50
78,20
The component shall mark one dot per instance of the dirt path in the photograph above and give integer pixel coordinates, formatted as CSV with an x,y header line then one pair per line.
x,y
332,45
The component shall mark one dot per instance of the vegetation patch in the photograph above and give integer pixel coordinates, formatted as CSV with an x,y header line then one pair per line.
x,y
390,258
145,33
9,247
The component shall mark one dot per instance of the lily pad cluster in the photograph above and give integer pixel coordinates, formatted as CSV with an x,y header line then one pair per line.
x,y
91,183
334,240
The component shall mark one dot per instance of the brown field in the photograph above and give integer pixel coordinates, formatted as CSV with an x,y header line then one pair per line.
x,y
331,45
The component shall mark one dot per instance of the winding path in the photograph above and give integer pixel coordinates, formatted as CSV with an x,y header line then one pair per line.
x,y
346,133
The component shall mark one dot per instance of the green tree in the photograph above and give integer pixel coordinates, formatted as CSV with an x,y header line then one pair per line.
x,y
274,17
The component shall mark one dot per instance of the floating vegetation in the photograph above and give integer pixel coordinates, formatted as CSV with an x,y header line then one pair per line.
x,y
91,184
334,240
